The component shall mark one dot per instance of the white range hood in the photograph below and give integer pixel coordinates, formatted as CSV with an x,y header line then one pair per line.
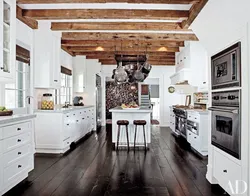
x,y
181,76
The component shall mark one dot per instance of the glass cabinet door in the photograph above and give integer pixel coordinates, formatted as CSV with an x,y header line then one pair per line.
x,y
6,37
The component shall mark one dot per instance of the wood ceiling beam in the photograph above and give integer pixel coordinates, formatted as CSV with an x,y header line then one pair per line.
x,y
57,14
124,43
107,1
193,13
113,49
104,53
112,57
149,26
66,50
28,21
129,36
113,62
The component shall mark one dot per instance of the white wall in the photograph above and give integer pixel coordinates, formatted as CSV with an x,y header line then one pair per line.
x,y
167,99
219,25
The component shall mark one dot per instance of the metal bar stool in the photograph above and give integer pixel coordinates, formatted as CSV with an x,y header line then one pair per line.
x,y
122,123
140,123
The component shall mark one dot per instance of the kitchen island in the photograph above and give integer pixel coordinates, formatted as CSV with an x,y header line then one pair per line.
x,y
130,115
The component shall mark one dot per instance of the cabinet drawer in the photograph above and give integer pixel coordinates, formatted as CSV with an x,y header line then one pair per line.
x,y
16,154
15,170
16,141
228,171
16,129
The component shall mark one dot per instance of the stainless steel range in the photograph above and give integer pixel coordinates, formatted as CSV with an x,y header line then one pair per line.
x,y
226,130
181,121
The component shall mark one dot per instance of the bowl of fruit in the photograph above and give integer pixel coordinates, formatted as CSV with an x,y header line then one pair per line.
x,y
5,112
130,106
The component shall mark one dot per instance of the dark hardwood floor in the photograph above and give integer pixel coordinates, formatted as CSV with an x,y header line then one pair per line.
x,y
95,169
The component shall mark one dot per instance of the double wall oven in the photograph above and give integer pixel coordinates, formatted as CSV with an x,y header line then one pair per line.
x,y
226,129
226,105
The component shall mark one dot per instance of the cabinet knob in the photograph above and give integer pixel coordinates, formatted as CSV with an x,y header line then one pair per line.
x,y
19,153
194,137
19,140
19,129
83,118
67,116
77,120
189,133
67,124
19,166
225,171
74,114
1,68
55,80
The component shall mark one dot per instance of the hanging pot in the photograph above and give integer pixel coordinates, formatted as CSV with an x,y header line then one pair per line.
x,y
138,75
120,74
146,68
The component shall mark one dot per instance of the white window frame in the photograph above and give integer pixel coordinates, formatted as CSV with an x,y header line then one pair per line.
x,y
66,86
26,90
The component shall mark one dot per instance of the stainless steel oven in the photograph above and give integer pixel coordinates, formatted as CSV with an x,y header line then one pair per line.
x,y
226,67
193,127
226,129
181,121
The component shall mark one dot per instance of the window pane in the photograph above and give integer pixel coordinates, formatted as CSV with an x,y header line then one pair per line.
x,y
10,98
63,99
20,98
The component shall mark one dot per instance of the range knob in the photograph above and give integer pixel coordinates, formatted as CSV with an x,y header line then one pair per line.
x,y
216,97
232,97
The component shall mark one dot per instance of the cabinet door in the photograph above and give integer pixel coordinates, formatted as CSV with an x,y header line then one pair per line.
x,y
56,80
8,44
79,77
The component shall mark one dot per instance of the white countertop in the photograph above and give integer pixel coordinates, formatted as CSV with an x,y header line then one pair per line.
x,y
200,111
141,110
63,110
16,117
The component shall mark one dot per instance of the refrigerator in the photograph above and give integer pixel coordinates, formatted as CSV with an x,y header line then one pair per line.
x,y
98,101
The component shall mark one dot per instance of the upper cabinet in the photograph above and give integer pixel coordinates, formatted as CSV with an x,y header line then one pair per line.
x,y
191,65
79,74
7,43
47,53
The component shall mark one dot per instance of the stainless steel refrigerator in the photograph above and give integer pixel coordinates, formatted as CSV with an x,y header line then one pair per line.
x,y
98,101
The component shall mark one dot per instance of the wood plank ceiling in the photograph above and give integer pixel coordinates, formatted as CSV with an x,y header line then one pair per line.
x,y
99,29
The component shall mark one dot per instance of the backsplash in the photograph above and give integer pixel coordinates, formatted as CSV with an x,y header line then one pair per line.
x,y
117,94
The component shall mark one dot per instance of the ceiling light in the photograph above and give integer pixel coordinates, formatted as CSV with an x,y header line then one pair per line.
x,y
99,48
162,49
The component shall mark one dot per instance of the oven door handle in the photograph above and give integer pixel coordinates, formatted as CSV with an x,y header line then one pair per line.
x,y
234,111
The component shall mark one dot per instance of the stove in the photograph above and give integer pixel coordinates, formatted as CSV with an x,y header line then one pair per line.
x,y
181,121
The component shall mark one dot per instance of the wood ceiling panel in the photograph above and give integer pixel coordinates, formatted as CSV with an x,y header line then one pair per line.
x,y
108,1
149,26
129,36
112,49
124,43
28,21
58,14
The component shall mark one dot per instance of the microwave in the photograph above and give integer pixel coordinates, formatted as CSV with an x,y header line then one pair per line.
x,y
226,68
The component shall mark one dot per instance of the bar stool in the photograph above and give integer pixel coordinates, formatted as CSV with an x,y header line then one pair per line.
x,y
140,123
122,123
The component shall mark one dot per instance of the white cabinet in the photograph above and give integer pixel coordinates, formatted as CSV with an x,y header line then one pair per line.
x,y
16,153
172,120
7,40
47,51
197,135
79,74
191,65
67,127
225,171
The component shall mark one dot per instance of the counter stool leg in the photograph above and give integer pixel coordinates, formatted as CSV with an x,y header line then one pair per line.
x,y
118,136
135,136
127,136
144,137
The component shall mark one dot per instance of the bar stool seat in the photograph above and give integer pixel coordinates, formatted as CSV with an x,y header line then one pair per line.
x,y
122,123
140,123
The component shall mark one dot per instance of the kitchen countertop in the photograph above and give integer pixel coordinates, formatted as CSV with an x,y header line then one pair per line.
x,y
200,111
63,110
141,110
16,117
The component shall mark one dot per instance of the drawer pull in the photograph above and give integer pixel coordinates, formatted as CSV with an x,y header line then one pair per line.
x,y
225,171
194,137
19,166
19,140
55,80
67,142
77,120
67,124
189,133
19,129
19,153
67,116
74,114
83,118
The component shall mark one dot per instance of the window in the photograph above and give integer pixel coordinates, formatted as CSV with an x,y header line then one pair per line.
x,y
16,93
64,94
